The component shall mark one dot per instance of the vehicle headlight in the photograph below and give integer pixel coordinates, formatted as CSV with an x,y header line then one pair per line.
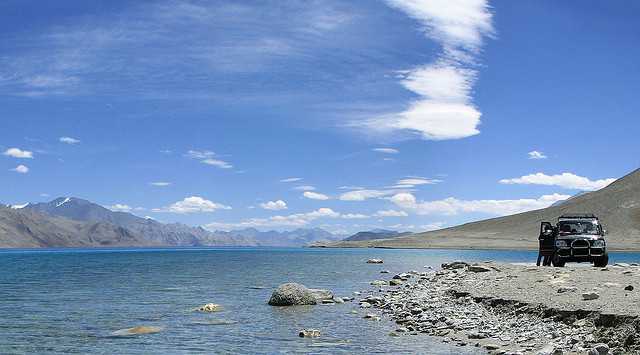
x,y
561,244
599,243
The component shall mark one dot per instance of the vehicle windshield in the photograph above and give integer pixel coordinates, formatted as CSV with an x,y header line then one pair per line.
x,y
578,227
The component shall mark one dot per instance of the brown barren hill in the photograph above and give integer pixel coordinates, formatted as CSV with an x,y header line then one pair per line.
x,y
617,206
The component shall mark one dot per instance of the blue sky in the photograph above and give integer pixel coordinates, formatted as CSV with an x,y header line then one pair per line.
x,y
402,114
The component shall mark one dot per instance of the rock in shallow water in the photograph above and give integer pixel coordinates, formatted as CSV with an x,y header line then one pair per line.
x,y
309,333
454,265
294,294
210,307
139,330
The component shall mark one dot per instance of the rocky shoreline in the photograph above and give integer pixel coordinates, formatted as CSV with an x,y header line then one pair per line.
x,y
515,309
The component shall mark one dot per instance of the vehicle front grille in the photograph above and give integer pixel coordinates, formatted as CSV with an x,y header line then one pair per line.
x,y
580,247
580,243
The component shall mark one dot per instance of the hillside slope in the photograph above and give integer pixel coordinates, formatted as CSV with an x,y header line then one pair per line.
x,y
617,206
23,228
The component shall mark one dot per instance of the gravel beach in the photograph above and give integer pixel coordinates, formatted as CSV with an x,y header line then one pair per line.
x,y
515,309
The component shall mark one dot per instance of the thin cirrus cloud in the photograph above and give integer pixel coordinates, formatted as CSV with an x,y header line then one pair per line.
x,y
291,179
18,153
565,180
391,213
68,140
415,180
160,183
534,154
192,204
274,205
21,169
304,188
453,206
315,196
443,108
256,38
209,158
361,195
118,207
386,150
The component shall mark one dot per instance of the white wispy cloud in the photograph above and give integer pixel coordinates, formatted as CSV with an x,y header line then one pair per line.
x,y
361,195
444,108
315,196
454,206
354,216
274,205
415,180
118,207
256,38
292,220
386,150
305,188
18,153
69,140
391,213
21,169
347,187
193,204
566,180
218,163
208,157
536,155
160,183
291,179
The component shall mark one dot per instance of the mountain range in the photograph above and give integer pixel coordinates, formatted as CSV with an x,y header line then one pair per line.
x,y
75,222
617,206
375,234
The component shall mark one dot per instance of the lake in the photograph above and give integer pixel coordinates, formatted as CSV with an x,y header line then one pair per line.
x,y
71,301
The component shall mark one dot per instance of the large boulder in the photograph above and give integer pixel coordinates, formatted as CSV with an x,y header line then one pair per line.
x,y
294,294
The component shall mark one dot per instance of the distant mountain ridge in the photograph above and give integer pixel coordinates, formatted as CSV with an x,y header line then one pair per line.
x,y
75,222
375,234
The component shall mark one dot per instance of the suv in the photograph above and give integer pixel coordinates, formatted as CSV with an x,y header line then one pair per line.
x,y
576,237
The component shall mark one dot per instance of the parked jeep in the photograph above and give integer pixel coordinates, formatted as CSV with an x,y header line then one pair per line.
x,y
575,238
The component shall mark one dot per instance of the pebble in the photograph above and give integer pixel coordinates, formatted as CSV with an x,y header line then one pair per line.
x,y
479,268
210,307
309,333
564,289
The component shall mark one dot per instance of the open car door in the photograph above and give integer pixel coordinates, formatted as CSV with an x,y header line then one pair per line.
x,y
547,240
546,229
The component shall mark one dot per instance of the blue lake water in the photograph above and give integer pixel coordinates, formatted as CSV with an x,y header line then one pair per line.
x,y
70,301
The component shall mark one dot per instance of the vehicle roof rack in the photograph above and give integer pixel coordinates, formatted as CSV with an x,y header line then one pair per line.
x,y
577,215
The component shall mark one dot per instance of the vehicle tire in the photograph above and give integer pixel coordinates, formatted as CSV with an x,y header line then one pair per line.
x,y
557,262
601,261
